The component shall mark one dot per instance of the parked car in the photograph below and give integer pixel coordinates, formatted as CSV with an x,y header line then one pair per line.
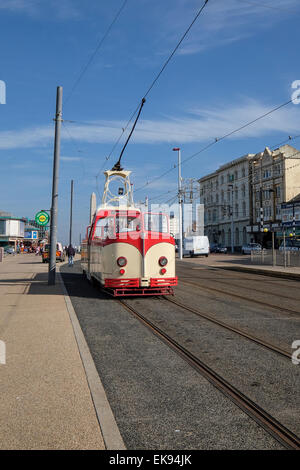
x,y
60,254
246,249
197,245
218,248
10,250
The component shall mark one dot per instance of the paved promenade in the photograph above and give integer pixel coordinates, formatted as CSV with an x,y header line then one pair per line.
x,y
45,398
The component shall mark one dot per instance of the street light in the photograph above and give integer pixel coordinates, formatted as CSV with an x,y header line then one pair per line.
x,y
177,149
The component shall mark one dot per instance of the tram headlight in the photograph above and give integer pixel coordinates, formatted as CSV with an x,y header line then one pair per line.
x,y
121,261
163,261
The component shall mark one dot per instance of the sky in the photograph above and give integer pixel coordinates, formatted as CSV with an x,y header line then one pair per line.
x,y
237,62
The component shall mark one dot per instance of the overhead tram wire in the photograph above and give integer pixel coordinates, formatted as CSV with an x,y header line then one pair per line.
x,y
157,77
98,47
217,140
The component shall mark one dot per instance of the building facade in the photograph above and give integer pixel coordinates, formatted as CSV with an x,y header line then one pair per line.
x,y
245,195
226,198
275,176
11,230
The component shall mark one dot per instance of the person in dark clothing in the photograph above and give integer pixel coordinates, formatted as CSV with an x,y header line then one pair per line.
x,y
71,254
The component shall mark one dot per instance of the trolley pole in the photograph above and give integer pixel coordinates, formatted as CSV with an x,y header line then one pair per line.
x,y
71,212
54,205
177,149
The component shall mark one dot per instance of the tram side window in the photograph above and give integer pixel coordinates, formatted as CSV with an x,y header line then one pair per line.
x,y
156,223
105,228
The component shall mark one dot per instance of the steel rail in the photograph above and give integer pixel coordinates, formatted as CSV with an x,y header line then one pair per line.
x,y
231,294
282,434
252,338
228,283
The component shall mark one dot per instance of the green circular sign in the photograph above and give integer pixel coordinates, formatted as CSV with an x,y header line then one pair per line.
x,y
42,218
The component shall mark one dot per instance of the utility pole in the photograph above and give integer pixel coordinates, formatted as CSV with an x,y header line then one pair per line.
x,y
54,205
179,200
71,212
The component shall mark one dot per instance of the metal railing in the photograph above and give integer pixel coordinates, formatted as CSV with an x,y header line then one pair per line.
x,y
285,258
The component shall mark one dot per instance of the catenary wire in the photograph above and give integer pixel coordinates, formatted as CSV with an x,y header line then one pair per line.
x,y
157,77
217,140
98,47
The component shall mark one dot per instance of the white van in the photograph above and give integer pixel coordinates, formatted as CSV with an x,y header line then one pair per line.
x,y
197,245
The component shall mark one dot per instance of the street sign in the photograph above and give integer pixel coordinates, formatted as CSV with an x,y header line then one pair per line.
x,y
42,218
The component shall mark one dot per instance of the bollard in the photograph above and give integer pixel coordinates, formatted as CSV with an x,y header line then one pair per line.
x,y
1,254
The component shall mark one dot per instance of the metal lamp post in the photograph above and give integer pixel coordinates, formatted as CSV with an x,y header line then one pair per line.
x,y
177,149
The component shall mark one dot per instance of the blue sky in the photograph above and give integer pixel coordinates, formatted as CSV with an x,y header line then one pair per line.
x,y
238,61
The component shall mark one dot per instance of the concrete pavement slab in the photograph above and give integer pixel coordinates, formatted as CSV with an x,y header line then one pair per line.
x,y
45,398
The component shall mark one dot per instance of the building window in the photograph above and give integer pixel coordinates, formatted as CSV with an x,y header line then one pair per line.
x,y
278,212
222,179
243,172
277,169
236,193
236,175
237,236
243,190
267,212
236,210
222,196
266,174
277,191
244,209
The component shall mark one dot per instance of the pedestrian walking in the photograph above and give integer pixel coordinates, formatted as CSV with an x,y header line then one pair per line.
x,y
71,254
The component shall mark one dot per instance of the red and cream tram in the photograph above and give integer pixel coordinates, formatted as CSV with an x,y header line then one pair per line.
x,y
129,252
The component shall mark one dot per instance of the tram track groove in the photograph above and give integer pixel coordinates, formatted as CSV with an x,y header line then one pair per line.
x,y
278,431
242,333
219,281
231,294
272,281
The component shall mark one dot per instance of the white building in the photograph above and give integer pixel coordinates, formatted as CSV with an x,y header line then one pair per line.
x,y
226,194
11,229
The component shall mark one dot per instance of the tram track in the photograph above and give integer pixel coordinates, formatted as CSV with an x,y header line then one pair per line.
x,y
228,327
282,434
253,289
238,296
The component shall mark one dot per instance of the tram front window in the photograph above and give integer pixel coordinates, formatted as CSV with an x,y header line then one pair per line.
x,y
156,223
126,224
105,228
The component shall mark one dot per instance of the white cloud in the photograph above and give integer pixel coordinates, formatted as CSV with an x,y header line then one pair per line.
x,y
197,125
70,159
61,9
222,22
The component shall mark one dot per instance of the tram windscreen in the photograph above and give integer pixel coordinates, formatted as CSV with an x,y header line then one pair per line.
x,y
105,227
127,223
156,223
